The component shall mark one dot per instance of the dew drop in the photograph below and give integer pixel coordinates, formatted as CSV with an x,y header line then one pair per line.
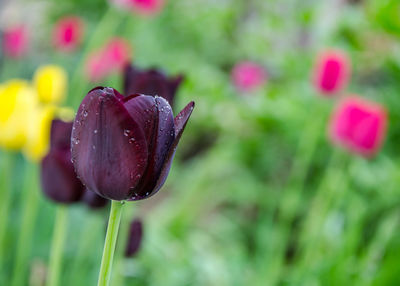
x,y
95,131
131,140
127,132
85,113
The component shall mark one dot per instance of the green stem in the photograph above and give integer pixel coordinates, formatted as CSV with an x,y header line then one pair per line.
x,y
92,228
330,189
109,244
5,201
288,205
118,278
57,246
30,208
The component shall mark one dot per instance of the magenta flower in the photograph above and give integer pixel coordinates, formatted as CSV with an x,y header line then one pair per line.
x,y
122,147
134,238
113,57
150,82
58,177
331,72
247,76
358,125
68,33
15,42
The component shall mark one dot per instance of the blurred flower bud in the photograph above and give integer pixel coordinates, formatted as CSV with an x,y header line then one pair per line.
x,y
15,42
109,59
51,83
38,132
134,238
59,180
93,200
358,125
18,99
150,82
117,53
247,76
122,147
331,72
68,33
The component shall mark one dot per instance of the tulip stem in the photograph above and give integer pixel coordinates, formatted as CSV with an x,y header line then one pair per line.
x,y
109,244
30,210
57,245
5,202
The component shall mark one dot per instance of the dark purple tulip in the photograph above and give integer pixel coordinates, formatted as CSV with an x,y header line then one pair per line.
x,y
93,200
134,238
122,147
59,180
150,82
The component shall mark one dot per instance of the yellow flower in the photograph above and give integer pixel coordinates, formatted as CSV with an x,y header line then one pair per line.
x,y
17,98
51,84
39,127
38,132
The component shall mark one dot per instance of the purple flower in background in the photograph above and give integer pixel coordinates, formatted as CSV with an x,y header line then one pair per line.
x,y
151,82
122,147
93,200
134,238
58,177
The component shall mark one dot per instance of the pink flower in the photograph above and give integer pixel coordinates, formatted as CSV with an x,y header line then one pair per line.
x,y
247,76
15,42
67,33
359,125
331,72
144,7
109,59
117,52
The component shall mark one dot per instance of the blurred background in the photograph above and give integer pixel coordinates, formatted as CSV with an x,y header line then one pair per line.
x,y
258,193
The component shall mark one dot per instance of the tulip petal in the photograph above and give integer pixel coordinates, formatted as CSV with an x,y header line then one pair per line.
x,y
180,123
60,134
58,177
109,148
163,137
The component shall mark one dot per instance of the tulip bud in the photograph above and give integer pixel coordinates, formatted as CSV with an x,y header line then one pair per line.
x,y
111,58
331,72
122,147
18,99
67,33
117,53
150,82
15,42
358,125
59,180
51,83
247,76
93,200
134,238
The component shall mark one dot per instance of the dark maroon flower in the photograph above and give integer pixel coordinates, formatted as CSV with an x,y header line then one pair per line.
x,y
134,238
93,200
150,82
122,147
59,180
